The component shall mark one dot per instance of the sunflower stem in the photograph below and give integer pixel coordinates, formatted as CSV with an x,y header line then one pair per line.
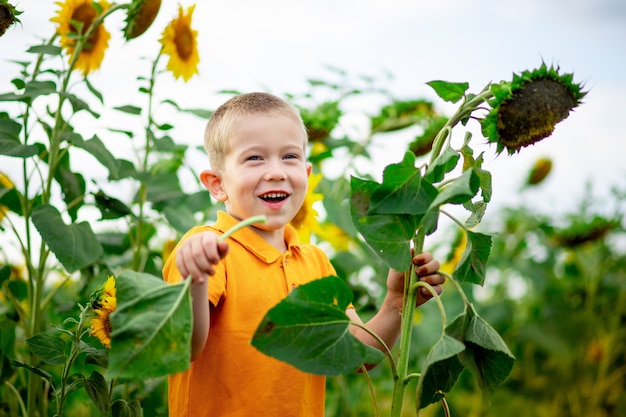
x,y
406,330
464,111
241,225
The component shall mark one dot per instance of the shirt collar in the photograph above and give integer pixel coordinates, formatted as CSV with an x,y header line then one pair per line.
x,y
253,242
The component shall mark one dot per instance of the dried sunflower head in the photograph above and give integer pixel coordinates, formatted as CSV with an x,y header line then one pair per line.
x,y
8,16
141,14
525,110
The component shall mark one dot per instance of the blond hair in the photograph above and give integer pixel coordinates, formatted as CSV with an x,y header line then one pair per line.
x,y
225,119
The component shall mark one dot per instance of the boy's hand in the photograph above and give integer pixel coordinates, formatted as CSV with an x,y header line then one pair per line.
x,y
197,255
426,267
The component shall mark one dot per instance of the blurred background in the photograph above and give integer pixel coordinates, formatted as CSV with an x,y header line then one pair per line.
x,y
556,287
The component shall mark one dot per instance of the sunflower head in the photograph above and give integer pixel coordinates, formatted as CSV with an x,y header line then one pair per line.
x,y
179,41
141,14
525,110
305,222
75,19
8,16
103,302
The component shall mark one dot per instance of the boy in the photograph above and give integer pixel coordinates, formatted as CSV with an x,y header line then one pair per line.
x,y
256,144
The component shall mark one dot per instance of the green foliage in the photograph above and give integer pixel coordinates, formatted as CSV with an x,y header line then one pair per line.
x,y
51,364
151,334
309,329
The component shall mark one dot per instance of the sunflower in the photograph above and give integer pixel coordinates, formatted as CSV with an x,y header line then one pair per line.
x,y
5,182
103,303
334,235
141,14
455,254
305,222
75,18
179,41
525,110
8,16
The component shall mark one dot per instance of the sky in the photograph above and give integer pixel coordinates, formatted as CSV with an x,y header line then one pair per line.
x,y
277,45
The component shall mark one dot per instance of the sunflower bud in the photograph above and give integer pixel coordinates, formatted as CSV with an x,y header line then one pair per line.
x,y
141,14
527,109
8,16
539,171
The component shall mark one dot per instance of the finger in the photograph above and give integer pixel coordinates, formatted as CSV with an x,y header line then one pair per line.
x,y
433,279
422,258
429,268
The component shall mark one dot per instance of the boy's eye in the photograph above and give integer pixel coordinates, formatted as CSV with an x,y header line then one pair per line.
x,y
291,156
254,158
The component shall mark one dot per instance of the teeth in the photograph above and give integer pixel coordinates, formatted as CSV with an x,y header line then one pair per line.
x,y
272,196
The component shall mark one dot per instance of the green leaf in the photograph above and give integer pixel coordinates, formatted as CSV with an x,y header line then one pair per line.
x,y
129,109
309,329
10,144
472,266
94,91
443,163
180,217
6,368
151,334
10,198
79,104
442,369
97,149
37,371
477,210
10,129
5,274
163,187
48,347
401,190
486,354
73,186
35,89
401,114
388,234
114,243
45,49
459,191
75,246
98,390
448,91
110,208
201,113
123,408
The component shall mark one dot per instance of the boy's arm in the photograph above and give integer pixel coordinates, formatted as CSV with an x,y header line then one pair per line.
x,y
386,323
195,258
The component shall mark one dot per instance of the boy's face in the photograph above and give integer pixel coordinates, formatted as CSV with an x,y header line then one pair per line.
x,y
265,171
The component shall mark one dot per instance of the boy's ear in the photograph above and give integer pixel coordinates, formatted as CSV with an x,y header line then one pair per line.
x,y
213,182
309,168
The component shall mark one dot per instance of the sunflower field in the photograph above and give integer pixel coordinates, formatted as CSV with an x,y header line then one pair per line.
x,y
531,320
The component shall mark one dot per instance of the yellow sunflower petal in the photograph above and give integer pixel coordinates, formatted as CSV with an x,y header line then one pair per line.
x,y
334,235
101,327
179,41
82,11
305,222
5,182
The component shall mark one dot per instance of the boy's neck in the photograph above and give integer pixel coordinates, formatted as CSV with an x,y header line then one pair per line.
x,y
276,238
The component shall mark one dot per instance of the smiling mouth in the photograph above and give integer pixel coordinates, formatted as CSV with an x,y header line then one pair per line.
x,y
274,197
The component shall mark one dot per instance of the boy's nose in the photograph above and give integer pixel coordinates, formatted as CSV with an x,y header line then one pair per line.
x,y
275,172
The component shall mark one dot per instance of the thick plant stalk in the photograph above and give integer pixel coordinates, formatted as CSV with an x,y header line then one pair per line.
x,y
406,330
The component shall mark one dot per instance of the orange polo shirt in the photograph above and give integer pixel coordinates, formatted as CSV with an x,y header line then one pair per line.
x,y
230,377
